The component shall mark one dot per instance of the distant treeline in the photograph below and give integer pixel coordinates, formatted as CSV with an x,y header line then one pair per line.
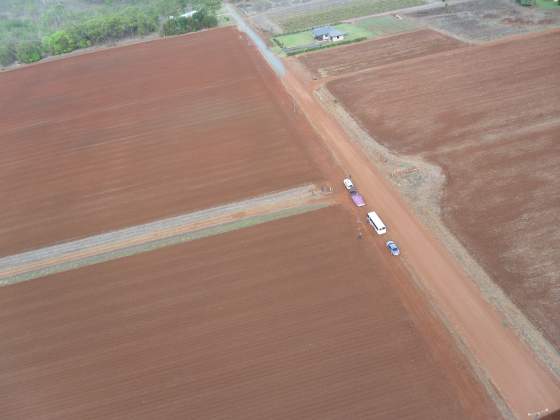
x,y
182,25
33,29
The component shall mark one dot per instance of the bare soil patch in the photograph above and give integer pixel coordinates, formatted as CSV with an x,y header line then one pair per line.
x,y
128,135
374,53
485,20
291,319
489,117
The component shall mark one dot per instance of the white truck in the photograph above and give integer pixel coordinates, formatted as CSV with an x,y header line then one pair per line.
x,y
375,221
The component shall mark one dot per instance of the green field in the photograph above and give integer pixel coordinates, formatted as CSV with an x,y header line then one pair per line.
x,y
297,40
384,25
338,13
548,4
305,38
353,31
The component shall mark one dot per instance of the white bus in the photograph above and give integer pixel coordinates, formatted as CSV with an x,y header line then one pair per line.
x,y
377,224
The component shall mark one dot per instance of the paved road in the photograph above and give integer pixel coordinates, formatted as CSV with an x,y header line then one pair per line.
x,y
73,254
275,63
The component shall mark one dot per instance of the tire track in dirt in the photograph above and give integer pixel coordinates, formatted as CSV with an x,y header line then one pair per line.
x,y
33,264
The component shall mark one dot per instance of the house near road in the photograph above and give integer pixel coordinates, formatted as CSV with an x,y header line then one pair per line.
x,y
326,33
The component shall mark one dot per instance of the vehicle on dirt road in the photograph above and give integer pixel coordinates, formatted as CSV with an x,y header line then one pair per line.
x,y
391,246
376,223
357,198
348,184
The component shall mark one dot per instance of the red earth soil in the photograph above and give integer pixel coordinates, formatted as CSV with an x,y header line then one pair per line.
x,y
124,136
489,116
553,416
290,319
378,52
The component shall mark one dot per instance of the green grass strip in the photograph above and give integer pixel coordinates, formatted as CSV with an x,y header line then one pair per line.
x,y
150,246
337,13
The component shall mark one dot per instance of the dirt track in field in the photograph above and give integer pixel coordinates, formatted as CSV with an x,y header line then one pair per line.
x,y
134,134
378,52
291,319
492,345
489,117
111,245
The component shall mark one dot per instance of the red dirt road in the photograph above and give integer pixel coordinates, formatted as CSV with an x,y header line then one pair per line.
x,y
129,135
378,52
523,382
489,117
290,319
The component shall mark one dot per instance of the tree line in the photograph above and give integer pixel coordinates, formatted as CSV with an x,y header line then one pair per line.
x,y
59,30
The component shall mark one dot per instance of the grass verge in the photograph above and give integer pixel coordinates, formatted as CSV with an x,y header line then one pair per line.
x,y
548,4
384,25
338,13
153,245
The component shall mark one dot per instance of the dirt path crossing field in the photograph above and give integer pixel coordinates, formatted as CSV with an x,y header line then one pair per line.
x,y
140,238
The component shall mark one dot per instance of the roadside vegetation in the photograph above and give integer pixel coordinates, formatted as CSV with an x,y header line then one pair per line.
x,y
182,25
338,13
33,29
548,4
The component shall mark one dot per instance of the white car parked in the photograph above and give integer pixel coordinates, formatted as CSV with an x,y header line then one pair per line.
x,y
348,184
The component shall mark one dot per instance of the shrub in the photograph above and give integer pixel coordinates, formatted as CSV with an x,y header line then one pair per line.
x,y
60,42
29,51
182,25
7,54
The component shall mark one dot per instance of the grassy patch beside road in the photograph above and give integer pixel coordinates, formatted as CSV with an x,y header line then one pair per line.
x,y
159,243
305,38
353,31
298,39
338,13
548,4
383,25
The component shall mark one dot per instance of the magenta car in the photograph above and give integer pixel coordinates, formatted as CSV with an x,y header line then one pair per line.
x,y
357,199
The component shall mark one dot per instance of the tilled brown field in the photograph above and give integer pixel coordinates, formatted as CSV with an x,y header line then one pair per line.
x,y
375,53
489,116
128,135
291,319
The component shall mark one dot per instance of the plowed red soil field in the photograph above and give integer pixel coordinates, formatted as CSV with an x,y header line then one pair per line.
x,y
489,116
375,53
127,135
290,319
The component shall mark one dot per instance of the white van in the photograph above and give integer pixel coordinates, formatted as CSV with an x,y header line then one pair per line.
x,y
377,224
